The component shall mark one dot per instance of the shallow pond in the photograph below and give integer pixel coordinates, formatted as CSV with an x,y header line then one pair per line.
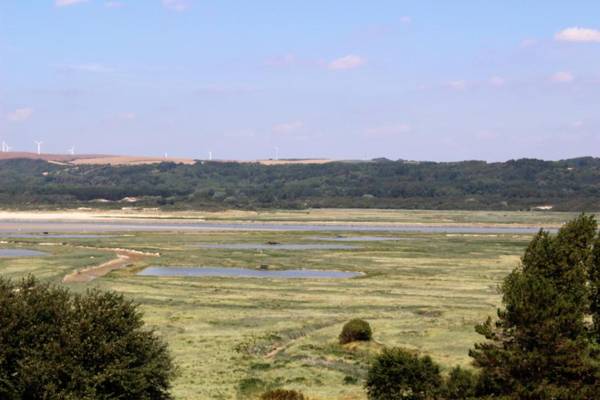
x,y
277,246
358,238
52,236
9,253
246,273
99,226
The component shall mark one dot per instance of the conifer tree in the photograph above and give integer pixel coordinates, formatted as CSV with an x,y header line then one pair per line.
x,y
540,347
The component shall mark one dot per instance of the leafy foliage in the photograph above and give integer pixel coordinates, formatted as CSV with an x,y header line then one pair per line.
x,y
512,185
398,374
540,346
59,345
355,330
460,384
282,394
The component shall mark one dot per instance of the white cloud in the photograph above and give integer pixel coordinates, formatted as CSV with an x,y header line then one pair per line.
x,y
577,34
457,85
66,3
562,77
497,81
176,5
96,68
350,61
20,114
288,127
389,130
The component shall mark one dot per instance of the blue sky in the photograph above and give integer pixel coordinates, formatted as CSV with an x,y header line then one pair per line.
x,y
426,80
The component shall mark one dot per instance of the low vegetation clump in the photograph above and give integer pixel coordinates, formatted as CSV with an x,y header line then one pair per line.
x,y
356,330
282,394
59,345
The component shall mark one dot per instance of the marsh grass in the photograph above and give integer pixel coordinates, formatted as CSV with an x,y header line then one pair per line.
x,y
236,338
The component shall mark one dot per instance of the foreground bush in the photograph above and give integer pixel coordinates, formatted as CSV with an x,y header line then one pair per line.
x,y
282,394
398,374
356,330
59,345
460,384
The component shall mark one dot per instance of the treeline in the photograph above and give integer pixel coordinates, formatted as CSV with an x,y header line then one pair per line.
x,y
472,185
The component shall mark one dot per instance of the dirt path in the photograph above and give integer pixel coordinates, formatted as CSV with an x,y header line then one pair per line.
x,y
124,259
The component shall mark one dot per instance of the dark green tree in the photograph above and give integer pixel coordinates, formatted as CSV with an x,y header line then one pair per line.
x,y
58,345
540,348
594,277
398,374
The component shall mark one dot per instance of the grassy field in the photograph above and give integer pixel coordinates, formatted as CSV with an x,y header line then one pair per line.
x,y
233,338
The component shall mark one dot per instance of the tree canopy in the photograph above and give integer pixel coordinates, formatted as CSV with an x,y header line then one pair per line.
x,y
470,185
542,346
58,345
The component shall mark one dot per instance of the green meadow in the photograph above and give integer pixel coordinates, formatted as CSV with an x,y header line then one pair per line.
x,y
232,338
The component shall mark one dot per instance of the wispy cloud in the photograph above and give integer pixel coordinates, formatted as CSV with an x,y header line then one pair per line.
x,y
529,42
562,77
66,3
287,128
114,4
350,61
577,34
94,68
176,5
20,114
577,124
497,81
389,130
457,85
405,19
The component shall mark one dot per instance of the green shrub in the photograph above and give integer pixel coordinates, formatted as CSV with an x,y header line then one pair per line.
x,y
398,374
282,394
58,345
460,384
356,330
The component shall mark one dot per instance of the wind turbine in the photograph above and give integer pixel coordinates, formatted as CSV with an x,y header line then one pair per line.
x,y
39,146
276,153
210,156
72,150
4,147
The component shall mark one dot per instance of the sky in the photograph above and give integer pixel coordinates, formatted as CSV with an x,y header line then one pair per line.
x,y
418,80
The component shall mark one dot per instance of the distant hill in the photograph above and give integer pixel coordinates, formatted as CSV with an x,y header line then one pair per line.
x,y
513,185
